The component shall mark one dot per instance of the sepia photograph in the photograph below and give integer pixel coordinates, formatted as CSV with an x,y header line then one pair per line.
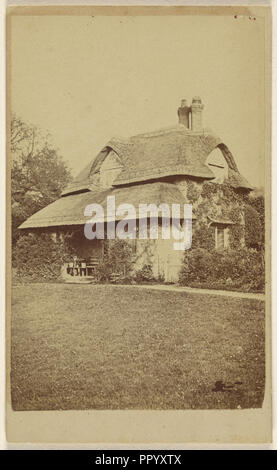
x,y
138,159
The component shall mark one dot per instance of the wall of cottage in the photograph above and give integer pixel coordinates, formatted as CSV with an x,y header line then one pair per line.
x,y
211,201
160,254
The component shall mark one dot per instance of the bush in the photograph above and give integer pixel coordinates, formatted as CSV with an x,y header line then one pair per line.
x,y
117,265
117,260
145,274
38,257
241,269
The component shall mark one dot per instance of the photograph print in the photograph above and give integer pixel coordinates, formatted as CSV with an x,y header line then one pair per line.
x,y
138,165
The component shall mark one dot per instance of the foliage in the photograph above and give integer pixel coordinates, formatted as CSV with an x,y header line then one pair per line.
x,y
193,191
241,269
203,236
253,227
209,189
117,259
39,257
145,274
257,201
216,201
38,173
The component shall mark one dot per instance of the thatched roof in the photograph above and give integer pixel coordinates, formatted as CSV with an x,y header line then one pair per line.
x,y
155,155
69,210
172,152
145,160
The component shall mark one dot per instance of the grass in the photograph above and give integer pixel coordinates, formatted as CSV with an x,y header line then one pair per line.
x,y
111,347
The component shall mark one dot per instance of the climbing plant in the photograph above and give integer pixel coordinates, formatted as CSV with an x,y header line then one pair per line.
x,y
117,259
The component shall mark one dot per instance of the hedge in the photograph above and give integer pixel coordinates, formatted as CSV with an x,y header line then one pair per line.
x,y
241,269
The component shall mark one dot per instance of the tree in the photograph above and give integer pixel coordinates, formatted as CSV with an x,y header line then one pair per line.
x,y
254,214
38,173
253,227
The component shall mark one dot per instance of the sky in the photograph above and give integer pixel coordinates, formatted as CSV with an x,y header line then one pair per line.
x,y
86,79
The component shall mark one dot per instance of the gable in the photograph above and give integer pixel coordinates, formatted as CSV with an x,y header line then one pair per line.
x,y
108,170
101,171
218,165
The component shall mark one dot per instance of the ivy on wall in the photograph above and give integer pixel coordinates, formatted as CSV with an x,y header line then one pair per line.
x,y
222,201
241,266
203,236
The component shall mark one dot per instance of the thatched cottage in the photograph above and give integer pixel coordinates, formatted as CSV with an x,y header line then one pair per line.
x,y
183,164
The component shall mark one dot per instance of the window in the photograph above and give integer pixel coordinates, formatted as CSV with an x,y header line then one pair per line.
x,y
218,165
221,237
110,169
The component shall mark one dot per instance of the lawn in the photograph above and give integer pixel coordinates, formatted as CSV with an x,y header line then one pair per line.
x,y
111,347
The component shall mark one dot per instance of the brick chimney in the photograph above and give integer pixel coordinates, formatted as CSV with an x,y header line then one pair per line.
x,y
183,113
196,114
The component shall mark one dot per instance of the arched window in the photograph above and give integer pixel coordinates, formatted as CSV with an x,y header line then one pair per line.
x,y
218,165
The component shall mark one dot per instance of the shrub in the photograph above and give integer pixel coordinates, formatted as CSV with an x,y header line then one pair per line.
x,y
145,274
38,257
241,269
203,236
117,259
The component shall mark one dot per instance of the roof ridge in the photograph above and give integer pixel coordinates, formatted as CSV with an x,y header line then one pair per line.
x,y
162,131
177,128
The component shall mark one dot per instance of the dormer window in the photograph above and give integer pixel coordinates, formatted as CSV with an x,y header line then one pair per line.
x,y
109,169
218,165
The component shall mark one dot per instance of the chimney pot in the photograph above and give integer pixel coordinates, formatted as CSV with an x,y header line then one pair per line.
x,y
196,114
196,99
183,113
